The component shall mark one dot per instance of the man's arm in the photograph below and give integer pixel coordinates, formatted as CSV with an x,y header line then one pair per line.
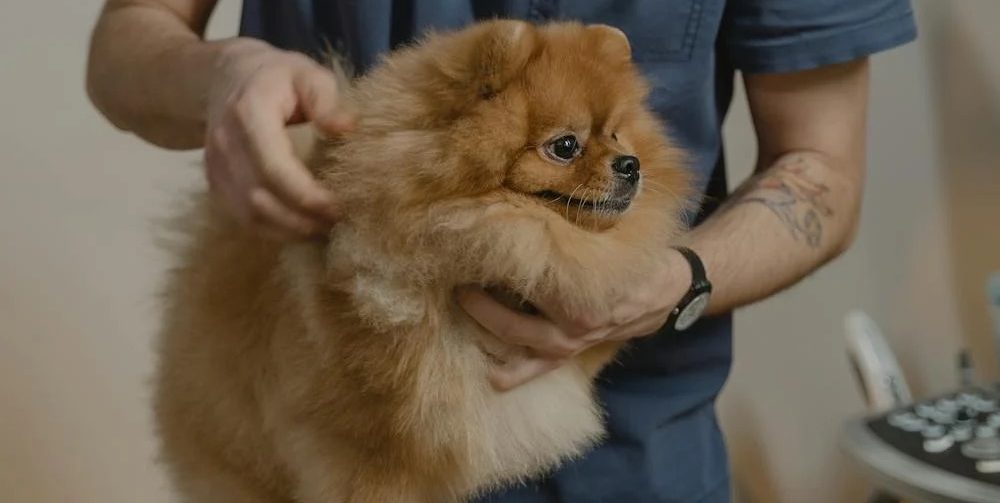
x,y
149,70
801,207
797,212
151,73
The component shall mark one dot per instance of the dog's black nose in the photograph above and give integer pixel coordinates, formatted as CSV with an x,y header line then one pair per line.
x,y
627,167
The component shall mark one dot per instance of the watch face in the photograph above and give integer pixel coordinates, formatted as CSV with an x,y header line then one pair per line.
x,y
692,312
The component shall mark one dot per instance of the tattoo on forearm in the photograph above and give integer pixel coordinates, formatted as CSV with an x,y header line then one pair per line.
x,y
797,198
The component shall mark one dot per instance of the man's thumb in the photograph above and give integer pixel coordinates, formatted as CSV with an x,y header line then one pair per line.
x,y
322,101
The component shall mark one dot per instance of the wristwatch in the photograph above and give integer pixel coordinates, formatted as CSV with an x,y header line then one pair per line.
x,y
692,305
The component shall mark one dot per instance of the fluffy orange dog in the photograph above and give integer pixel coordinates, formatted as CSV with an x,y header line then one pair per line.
x,y
505,155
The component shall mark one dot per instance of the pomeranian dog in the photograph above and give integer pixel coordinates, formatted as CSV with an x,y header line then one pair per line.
x,y
507,155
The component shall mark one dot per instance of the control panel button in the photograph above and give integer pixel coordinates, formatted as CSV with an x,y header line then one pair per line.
x,y
988,466
961,432
932,431
982,448
915,425
966,399
907,421
985,406
943,418
924,410
985,431
897,419
993,420
940,444
947,405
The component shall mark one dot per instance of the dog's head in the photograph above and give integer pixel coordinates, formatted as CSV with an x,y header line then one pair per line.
x,y
582,136
550,117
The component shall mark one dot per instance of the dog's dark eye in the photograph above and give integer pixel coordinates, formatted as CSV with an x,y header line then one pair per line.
x,y
564,148
614,136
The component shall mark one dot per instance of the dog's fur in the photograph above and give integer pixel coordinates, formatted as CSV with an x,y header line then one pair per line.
x,y
344,371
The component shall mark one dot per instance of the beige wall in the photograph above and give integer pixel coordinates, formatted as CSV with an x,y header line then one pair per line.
x,y
78,268
78,271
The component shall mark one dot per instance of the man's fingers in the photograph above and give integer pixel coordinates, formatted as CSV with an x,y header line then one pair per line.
x,y
645,325
222,185
270,147
321,100
269,208
249,154
516,328
252,204
585,324
519,371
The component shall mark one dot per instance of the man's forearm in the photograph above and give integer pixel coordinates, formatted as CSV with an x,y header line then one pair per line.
x,y
149,70
777,227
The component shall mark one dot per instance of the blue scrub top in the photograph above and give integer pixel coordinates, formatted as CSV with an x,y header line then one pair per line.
x,y
664,444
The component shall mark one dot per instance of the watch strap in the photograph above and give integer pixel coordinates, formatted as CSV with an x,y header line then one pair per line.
x,y
699,285
698,274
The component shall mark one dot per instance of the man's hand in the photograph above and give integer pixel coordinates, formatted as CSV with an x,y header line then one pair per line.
x,y
233,97
559,335
249,160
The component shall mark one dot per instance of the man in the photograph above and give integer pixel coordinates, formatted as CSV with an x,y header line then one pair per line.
x,y
806,74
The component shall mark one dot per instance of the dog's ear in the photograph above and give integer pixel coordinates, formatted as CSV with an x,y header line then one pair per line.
x,y
611,42
503,52
494,53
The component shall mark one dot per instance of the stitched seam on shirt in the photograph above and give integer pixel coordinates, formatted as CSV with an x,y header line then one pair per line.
x,y
691,27
799,39
758,59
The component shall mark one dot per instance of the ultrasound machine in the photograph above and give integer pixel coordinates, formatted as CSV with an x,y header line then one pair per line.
x,y
944,448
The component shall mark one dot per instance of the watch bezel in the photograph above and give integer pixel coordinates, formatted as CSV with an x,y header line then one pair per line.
x,y
697,300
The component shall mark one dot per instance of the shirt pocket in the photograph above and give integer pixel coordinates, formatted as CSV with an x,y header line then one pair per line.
x,y
658,30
